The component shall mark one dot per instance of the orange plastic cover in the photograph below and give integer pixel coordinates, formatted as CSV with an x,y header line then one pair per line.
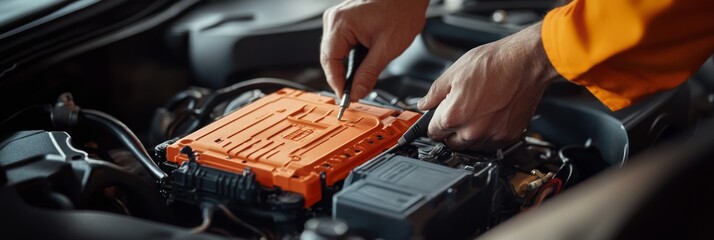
x,y
289,137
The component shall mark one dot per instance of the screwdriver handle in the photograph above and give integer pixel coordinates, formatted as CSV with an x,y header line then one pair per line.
x,y
420,128
357,55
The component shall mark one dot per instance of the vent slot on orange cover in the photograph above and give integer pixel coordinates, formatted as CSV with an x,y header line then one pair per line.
x,y
290,137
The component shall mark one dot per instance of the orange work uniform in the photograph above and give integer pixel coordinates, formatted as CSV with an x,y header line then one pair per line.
x,y
624,50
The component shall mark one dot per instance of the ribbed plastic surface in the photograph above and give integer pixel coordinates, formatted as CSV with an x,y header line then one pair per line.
x,y
289,137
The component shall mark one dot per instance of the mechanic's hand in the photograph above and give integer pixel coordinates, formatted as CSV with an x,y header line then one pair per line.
x,y
386,27
487,98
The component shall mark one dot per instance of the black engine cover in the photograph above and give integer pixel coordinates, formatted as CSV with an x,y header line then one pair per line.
x,y
397,197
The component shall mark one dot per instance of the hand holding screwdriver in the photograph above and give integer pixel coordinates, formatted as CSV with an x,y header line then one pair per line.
x,y
357,55
387,28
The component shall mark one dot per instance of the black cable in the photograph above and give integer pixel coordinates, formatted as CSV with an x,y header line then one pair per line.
x,y
207,210
566,163
227,93
569,179
121,206
180,119
221,231
234,90
126,136
191,94
237,220
563,159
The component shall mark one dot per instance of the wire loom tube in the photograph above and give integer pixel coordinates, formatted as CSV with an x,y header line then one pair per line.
x,y
234,90
126,136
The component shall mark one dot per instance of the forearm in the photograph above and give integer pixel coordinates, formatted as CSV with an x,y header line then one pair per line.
x,y
623,51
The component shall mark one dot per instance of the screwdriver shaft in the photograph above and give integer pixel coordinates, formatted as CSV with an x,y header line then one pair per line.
x,y
357,55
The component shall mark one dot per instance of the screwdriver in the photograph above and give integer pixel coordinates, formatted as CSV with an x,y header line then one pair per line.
x,y
418,129
357,55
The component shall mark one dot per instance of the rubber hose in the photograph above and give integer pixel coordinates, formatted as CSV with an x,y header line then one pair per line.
x,y
127,137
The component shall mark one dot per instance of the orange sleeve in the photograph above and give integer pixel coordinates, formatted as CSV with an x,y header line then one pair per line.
x,y
624,50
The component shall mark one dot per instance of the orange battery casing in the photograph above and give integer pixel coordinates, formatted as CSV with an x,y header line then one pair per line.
x,y
288,138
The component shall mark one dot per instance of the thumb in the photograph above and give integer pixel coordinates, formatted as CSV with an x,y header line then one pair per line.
x,y
438,91
368,72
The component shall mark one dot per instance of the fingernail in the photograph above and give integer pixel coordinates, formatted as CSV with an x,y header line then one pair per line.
x,y
421,103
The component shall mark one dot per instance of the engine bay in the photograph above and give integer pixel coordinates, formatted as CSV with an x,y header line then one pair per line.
x,y
279,162
213,120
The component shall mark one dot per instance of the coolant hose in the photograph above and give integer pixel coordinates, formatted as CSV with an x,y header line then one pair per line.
x,y
126,136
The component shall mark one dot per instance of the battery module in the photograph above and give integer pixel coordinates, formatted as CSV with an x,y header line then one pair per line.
x,y
289,140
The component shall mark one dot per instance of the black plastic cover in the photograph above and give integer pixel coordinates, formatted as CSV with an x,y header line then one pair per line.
x,y
194,183
396,197
47,178
29,155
